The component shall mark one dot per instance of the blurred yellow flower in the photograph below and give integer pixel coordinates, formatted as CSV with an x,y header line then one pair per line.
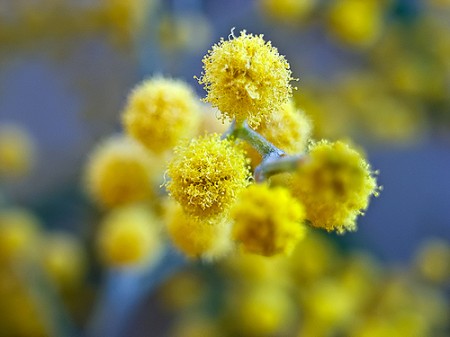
x,y
119,172
199,238
355,22
261,310
17,151
252,268
268,221
314,257
129,237
126,17
19,234
433,260
160,112
64,259
290,11
328,305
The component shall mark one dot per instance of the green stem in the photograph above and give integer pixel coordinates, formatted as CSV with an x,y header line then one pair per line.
x,y
230,132
265,148
273,166
274,160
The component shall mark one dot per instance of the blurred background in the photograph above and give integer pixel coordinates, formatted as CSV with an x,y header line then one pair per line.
x,y
374,72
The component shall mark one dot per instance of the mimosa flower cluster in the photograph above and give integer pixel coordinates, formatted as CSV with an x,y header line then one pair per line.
x,y
330,183
253,189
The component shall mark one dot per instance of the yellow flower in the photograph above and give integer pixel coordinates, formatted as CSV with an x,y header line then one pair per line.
x,y
175,32
247,268
119,172
267,221
129,237
287,11
246,78
288,129
19,234
328,112
16,151
335,186
160,112
356,22
306,270
206,175
432,260
64,259
125,17
261,310
20,305
328,305
208,239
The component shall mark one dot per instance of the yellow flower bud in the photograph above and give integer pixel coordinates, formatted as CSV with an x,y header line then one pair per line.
x,y
16,151
206,175
267,221
356,22
287,11
129,237
251,268
306,270
334,185
22,314
160,112
125,17
195,237
246,78
433,260
263,310
64,259
19,234
329,305
119,172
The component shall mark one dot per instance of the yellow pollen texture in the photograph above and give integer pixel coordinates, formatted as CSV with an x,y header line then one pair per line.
x,y
246,78
206,175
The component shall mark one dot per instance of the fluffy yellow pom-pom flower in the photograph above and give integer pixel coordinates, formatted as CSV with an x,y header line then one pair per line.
x,y
129,237
267,221
246,78
209,239
334,185
119,172
160,112
16,151
206,175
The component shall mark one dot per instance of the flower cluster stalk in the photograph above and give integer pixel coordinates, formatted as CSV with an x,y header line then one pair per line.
x,y
274,160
